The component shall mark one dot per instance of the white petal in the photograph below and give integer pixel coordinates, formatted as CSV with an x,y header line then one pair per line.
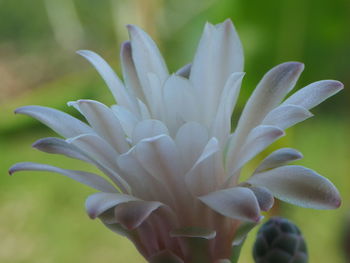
x,y
99,203
148,128
299,186
145,114
191,139
59,146
127,119
132,214
93,180
100,152
278,158
179,102
105,123
146,57
129,71
286,115
221,126
185,71
258,139
208,171
218,55
315,93
264,197
268,94
121,95
62,123
154,96
237,203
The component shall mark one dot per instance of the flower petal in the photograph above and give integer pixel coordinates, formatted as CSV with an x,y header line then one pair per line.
x,y
299,186
237,203
264,197
218,55
93,180
126,118
196,232
59,146
185,71
268,94
315,93
62,123
208,172
278,158
105,123
132,214
98,203
121,95
148,128
286,116
191,139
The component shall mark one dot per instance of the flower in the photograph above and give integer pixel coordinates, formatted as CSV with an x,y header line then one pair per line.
x,y
168,151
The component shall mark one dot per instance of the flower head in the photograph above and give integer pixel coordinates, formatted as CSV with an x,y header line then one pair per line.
x,y
166,148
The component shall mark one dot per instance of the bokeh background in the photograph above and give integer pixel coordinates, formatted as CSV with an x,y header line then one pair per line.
x,y
42,215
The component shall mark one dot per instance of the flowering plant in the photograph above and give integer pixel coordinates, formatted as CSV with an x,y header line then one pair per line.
x,y
172,163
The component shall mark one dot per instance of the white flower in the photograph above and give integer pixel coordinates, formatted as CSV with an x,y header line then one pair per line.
x,y
168,151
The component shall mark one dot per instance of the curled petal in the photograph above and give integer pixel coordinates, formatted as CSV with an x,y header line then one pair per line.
x,y
278,158
315,93
299,186
286,116
121,95
93,180
99,203
59,146
237,203
132,214
62,123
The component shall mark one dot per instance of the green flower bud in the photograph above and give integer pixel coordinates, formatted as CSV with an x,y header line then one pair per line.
x,y
279,241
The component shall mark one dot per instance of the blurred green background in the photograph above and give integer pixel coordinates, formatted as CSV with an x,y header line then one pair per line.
x,y
42,215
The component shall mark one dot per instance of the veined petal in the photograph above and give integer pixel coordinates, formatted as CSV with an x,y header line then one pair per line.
x,y
62,123
129,71
218,55
286,115
237,203
132,214
315,93
121,95
278,158
93,180
105,123
191,139
98,203
146,57
208,172
299,186
148,128
59,146
127,119
268,94
179,91
221,125
258,139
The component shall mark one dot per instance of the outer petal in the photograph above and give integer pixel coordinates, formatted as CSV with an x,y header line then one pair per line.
x,y
299,186
98,203
286,116
105,123
237,203
59,146
219,54
93,180
278,158
62,123
315,93
120,94
132,214
268,94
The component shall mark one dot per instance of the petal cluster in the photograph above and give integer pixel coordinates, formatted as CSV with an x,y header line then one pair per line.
x,y
170,161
